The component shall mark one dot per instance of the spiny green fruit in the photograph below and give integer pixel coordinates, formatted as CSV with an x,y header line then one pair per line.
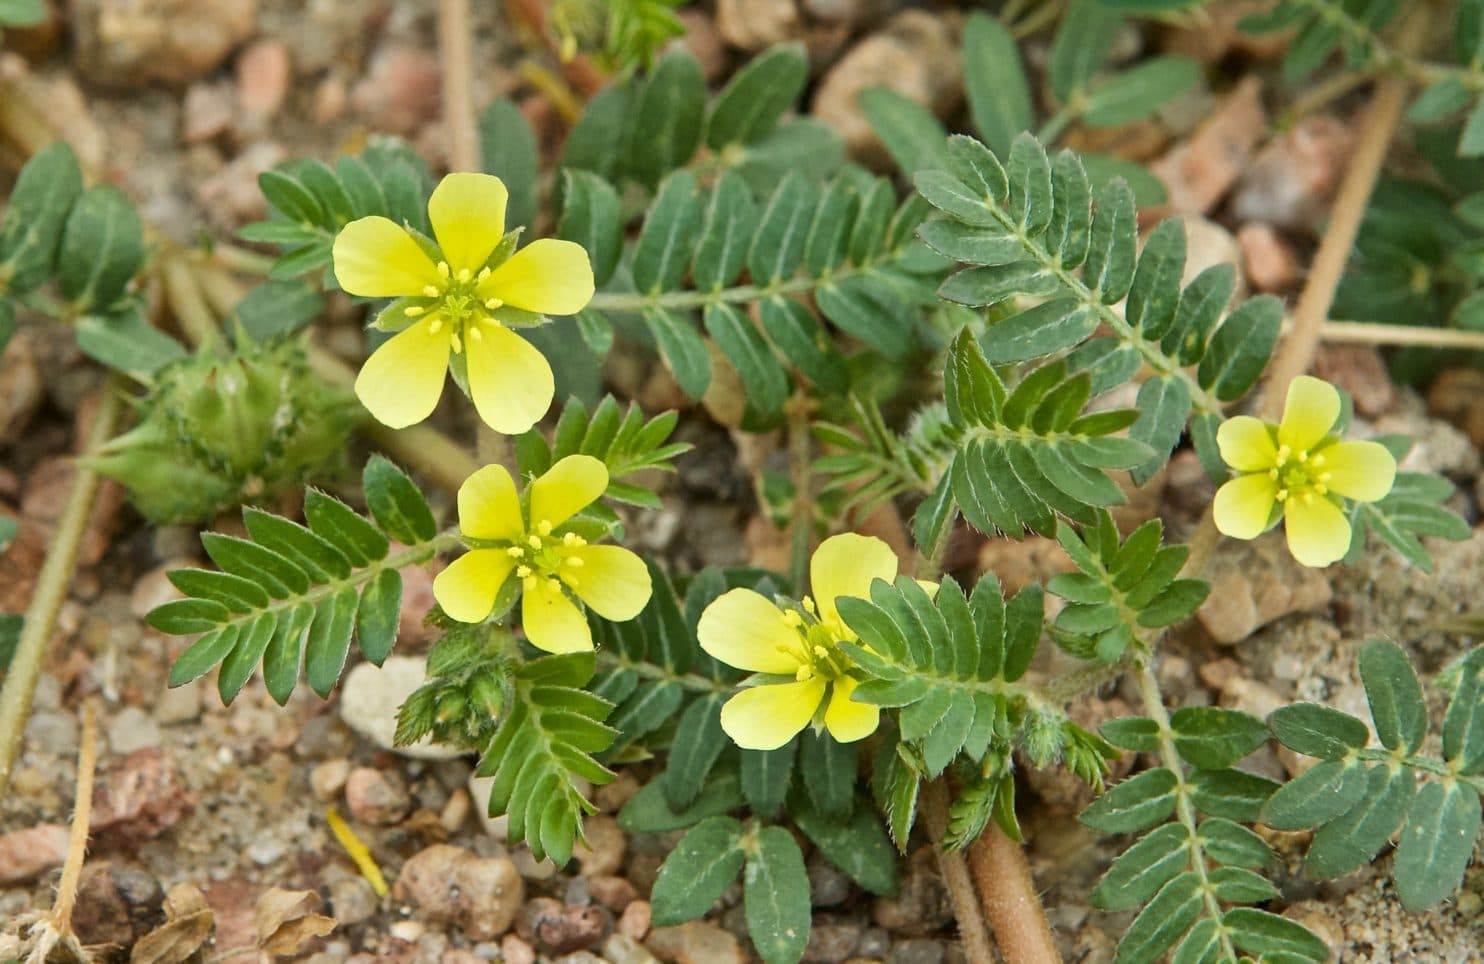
x,y
220,431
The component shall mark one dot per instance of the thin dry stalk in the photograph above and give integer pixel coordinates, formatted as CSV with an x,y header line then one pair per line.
x,y
77,841
455,46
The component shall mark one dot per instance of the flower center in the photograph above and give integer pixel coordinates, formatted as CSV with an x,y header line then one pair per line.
x,y
1300,475
816,647
547,556
455,301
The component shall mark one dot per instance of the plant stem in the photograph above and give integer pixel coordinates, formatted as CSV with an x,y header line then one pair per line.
x,y
801,519
51,588
1008,895
188,303
455,40
1382,117
955,871
1370,333
77,841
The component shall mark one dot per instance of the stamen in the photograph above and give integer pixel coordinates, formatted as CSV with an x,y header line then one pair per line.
x,y
1273,474
1317,461
475,334
544,527
804,674
572,581
464,275
436,326
809,605
483,273
432,291
1282,495
493,303
574,540
458,343
1324,476
792,618
534,542
523,571
443,268
515,552
412,311
1320,488
821,652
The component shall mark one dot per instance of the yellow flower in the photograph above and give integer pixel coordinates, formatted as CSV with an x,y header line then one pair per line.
x,y
1299,472
457,296
540,548
798,650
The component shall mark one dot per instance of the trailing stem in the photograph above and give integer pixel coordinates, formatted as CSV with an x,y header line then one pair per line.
x,y
51,587
1008,895
955,871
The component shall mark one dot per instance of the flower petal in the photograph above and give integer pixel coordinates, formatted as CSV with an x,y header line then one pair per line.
x,y
1318,532
846,719
547,276
613,581
845,565
509,380
402,380
1309,412
766,717
552,621
742,628
467,588
1363,471
489,507
468,215
567,488
1244,505
374,258
1246,444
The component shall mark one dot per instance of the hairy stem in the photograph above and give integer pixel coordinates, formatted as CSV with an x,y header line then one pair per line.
x,y
51,587
455,43
77,841
1382,117
1008,895
955,871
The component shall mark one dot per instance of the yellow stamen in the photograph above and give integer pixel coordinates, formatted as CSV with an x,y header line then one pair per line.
x,y
574,540
533,541
483,273
412,311
458,343
475,334
1318,461
793,618
436,326
493,303
432,291
515,552
804,674
464,275
1282,495
544,527
809,605
523,572
443,268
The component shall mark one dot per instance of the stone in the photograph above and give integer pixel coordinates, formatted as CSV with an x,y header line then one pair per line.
x,y
752,25
179,704
140,798
921,904
480,895
402,89
513,950
1254,583
231,196
603,852
29,853
264,72
622,949
124,43
376,796
828,886
118,902
22,389
635,920
916,951
370,696
1361,372
915,54
703,40
456,811
832,940
556,928
1017,564
1269,261
207,112
1208,244
850,13
1291,180
1199,171
613,892
352,900
132,729
696,942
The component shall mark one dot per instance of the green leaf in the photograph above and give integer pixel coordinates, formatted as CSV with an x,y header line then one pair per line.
x,y
1318,730
1137,733
766,775
1394,694
1160,924
102,249
337,523
239,664
1080,47
1139,91
726,233
1463,725
1233,794
783,230
912,134
649,812
1318,795
694,875
1212,738
750,106
1233,844
858,846
1239,351
48,186
664,247
507,149
1141,870
395,502
126,342
869,309
831,766
1259,932
776,897
995,79
22,13
291,198
329,640
1353,839
699,742
203,654
278,307
682,349
591,217
669,117
377,615
1135,804
1436,844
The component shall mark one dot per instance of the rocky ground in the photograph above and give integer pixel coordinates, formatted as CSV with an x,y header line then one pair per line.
x,y
182,102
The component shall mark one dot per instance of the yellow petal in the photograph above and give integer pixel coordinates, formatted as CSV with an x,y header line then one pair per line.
x,y
1363,471
374,258
1309,412
468,215
846,719
1244,505
509,380
1246,444
401,381
489,507
766,717
547,276
743,629
552,621
467,588
845,565
611,580
567,488
1318,532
